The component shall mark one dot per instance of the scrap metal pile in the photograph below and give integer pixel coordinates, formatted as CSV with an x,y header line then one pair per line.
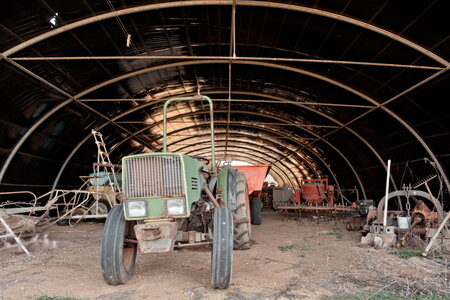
x,y
99,192
412,217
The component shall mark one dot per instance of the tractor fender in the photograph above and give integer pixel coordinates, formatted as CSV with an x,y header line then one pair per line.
x,y
226,186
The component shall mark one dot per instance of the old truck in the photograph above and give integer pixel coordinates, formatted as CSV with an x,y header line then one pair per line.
x,y
174,200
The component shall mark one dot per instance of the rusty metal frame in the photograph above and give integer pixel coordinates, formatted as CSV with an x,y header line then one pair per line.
x,y
284,167
287,68
238,149
214,92
262,160
244,124
275,133
292,7
272,131
287,180
267,4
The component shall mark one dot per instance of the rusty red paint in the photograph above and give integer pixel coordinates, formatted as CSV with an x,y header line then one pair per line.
x,y
255,176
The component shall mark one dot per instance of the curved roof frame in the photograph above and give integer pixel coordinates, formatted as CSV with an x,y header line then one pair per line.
x,y
246,141
203,142
343,86
207,92
267,4
155,68
271,97
299,8
274,132
266,128
282,169
294,182
287,181
266,115
243,124
297,160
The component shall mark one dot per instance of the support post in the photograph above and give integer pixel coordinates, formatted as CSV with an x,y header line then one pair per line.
x,y
435,235
386,195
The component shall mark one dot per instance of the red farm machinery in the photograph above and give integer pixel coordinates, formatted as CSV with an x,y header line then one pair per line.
x,y
314,195
255,180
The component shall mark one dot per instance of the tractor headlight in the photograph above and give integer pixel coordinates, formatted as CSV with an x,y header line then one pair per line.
x,y
136,208
176,207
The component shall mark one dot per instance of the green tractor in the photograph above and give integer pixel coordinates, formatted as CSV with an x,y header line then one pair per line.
x,y
172,201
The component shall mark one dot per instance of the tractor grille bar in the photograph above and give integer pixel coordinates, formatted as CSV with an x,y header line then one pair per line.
x,y
153,176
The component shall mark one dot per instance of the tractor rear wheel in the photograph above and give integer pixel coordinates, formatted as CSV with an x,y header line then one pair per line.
x,y
222,248
256,210
118,248
242,226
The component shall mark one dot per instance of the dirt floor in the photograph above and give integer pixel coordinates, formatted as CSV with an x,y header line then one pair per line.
x,y
314,258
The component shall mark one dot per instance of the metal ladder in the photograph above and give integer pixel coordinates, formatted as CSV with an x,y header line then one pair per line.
x,y
104,162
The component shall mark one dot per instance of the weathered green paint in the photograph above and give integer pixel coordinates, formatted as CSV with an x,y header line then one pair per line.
x,y
157,206
223,188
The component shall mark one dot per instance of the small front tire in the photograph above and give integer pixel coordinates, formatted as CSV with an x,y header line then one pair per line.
x,y
222,248
118,248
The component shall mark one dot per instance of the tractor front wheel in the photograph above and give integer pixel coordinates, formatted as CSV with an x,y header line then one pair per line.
x,y
222,248
118,248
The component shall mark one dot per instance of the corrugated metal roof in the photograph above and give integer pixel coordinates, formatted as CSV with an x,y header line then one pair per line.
x,y
318,88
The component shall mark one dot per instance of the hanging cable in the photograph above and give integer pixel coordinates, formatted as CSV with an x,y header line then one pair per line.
x,y
129,41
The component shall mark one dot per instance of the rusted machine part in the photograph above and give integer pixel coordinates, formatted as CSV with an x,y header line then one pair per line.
x,y
330,195
156,237
317,208
19,223
354,224
239,221
436,203
314,190
422,216
370,216
211,196
417,219
180,245
255,178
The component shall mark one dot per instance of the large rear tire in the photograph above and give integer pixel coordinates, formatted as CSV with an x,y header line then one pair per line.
x,y
222,248
242,227
256,210
118,253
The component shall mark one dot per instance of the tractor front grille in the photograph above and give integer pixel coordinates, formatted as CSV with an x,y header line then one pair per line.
x,y
153,176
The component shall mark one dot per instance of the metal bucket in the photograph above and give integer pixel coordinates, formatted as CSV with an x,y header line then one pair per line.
x,y
403,222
